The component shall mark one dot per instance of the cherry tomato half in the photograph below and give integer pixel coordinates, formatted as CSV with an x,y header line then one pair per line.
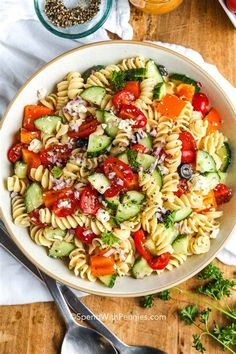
x,y
231,4
113,191
139,148
15,152
222,193
85,235
160,262
89,201
200,103
55,155
123,97
133,87
128,111
189,147
65,206
118,172
34,218
86,128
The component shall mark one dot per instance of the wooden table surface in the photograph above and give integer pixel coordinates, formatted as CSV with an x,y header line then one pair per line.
x,y
37,328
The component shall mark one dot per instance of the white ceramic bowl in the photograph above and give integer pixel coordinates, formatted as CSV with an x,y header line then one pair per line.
x,y
79,60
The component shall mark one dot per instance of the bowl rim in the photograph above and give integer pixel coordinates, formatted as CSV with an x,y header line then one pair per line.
x,y
42,268
68,35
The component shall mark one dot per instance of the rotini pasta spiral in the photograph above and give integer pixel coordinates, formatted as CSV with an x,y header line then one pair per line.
x,y
75,84
38,236
199,244
16,185
192,200
132,63
146,95
79,263
162,239
164,128
150,187
19,215
46,216
173,150
170,185
49,101
42,175
176,260
102,77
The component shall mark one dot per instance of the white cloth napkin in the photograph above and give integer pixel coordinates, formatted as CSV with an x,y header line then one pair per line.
x,y
25,46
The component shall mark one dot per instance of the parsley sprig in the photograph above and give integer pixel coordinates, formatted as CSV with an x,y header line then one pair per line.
x,y
215,287
109,239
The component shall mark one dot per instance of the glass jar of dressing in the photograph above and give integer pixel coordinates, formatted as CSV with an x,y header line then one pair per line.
x,y
156,6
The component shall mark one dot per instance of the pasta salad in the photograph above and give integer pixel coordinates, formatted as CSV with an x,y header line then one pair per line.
x,y
121,170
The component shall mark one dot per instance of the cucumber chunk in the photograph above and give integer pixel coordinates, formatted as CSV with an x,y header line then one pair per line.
x,y
158,177
178,78
123,157
99,115
180,244
213,179
147,141
205,162
98,144
126,212
33,197
99,182
47,124
112,202
20,169
145,160
94,94
108,280
153,72
54,233
141,269
61,249
182,214
112,126
226,156
133,197
89,71
222,176
159,91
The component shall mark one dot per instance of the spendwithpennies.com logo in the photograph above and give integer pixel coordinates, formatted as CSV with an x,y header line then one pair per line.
x,y
120,316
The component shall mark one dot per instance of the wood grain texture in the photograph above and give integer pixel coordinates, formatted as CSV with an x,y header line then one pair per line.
x,y
38,328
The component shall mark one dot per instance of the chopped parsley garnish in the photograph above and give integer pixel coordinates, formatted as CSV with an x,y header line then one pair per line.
x,y
164,295
132,157
109,239
56,172
189,314
210,272
120,78
169,218
147,301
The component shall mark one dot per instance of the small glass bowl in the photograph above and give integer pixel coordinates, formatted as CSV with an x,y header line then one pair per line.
x,y
77,31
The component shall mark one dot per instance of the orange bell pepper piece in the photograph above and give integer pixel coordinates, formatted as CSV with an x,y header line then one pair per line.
x,y
101,265
185,91
27,136
214,121
33,112
134,184
170,106
209,203
31,158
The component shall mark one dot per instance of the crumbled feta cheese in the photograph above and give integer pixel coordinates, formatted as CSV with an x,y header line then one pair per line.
x,y
41,93
35,145
202,183
14,194
102,215
215,233
76,194
126,124
64,204
75,124
164,170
